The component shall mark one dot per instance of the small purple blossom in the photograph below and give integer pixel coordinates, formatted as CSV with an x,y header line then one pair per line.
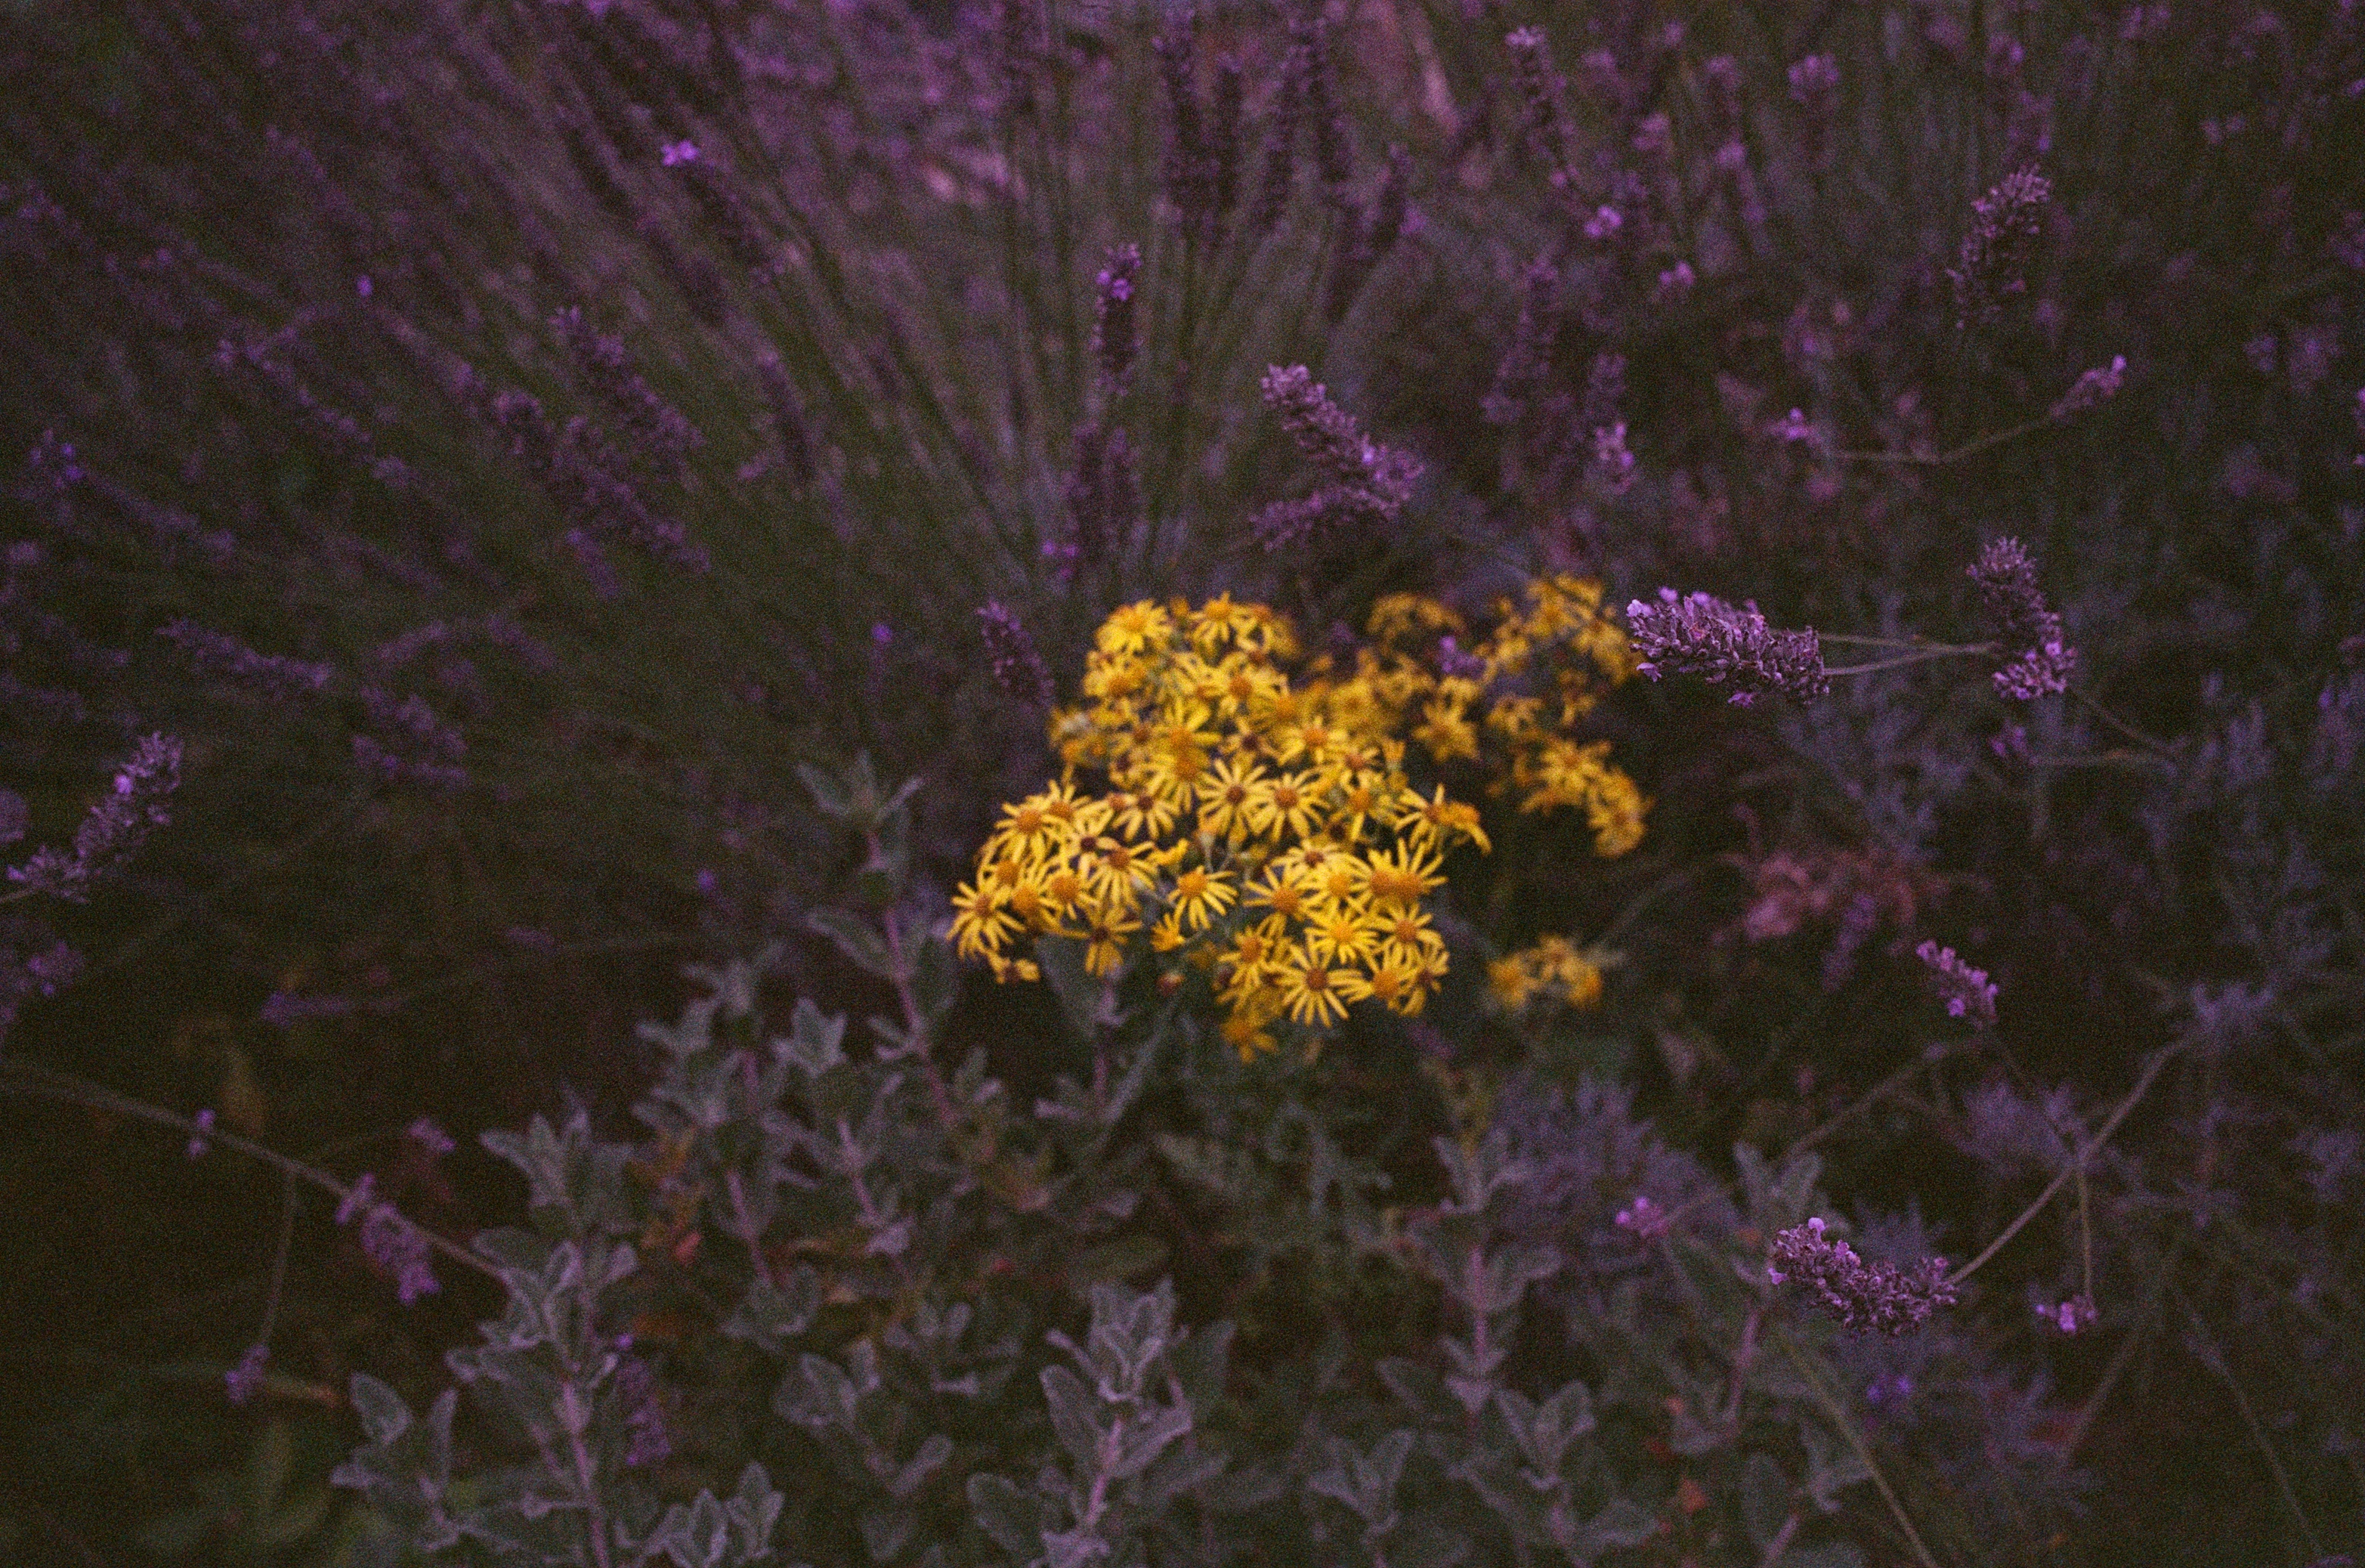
x,y
2068,1316
677,152
244,1380
199,1143
433,1140
1675,284
645,1414
1701,634
1647,1219
1860,1297
390,1242
1968,992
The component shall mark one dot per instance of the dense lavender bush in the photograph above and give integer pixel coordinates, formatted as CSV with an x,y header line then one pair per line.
x,y
518,448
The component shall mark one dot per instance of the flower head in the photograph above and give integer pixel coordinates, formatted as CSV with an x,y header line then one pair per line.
x,y
1861,1296
1701,634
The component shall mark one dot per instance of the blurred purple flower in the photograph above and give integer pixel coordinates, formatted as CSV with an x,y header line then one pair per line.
x,y
392,1243
115,828
203,1120
2092,389
1368,482
674,152
1967,991
1010,654
1991,264
244,1380
1117,337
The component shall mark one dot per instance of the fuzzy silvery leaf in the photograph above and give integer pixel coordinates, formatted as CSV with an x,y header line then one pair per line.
x,y
1473,1360
933,1454
1012,1517
385,1415
884,1534
1623,1523
1832,1465
1129,1332
769,1316
857,939
1071,1549
817,1396
1075,1416
569,1171
936,980
1141,1439
1544,1432
694,1033
1367,1483
1477,1173
1181,1470
1508,1275
1217,1167
814,1042
1420,1390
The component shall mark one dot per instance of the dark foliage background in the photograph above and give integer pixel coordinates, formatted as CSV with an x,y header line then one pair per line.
x,y
504,442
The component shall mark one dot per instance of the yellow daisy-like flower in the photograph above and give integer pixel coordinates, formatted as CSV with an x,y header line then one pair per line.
x,y
1283,891
1310,990
1105,938
1227,795
1341,935
1431,821
1134,628
1285,805
1406,937
1403,875
1509,983
980,925
1118,874
1167,934
1244,1029
1201,894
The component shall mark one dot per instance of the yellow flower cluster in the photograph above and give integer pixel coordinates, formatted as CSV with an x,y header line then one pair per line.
x,y
1543,668
1265,831
1553,969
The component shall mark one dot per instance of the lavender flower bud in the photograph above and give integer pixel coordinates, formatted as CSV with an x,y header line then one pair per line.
x,y
2036,661
274,675
1277,181
1815,88
1991,266
1369,483
1187,164
1116,340
1543,129
1333,157
1016,663
391,1243
1703,636
1967,991
1528,360
2093,389
1861,1296
199,1140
